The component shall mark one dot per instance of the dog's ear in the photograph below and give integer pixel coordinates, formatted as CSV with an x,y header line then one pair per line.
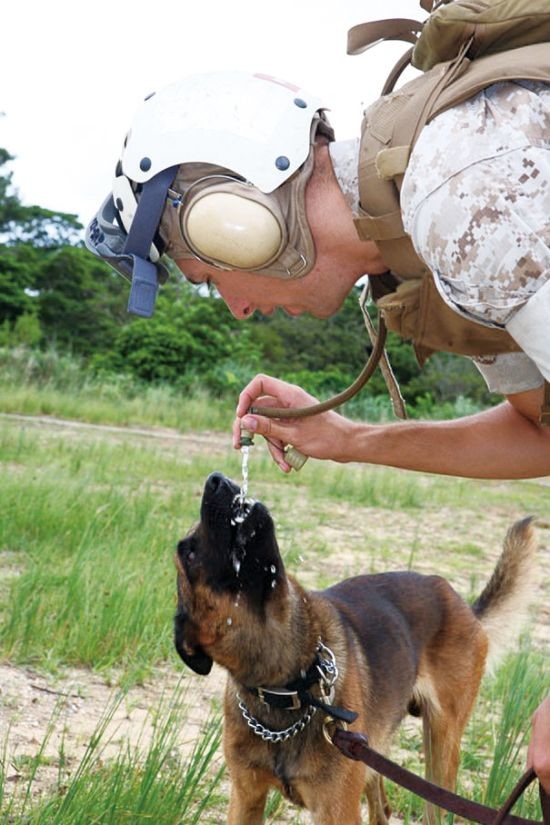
x,y
193,656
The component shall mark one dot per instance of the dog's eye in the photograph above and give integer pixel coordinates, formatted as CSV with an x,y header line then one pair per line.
x,y
186,551
189,551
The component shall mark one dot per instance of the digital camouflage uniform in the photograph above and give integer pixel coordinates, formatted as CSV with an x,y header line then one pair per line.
x,y
476,202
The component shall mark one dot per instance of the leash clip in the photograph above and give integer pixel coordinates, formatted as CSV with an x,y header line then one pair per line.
x,y
327,667
338,725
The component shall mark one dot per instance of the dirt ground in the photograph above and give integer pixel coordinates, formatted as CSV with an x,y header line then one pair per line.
x,y
78,699
29,700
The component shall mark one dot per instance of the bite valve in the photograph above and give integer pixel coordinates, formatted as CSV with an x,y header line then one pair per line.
x,y
247,438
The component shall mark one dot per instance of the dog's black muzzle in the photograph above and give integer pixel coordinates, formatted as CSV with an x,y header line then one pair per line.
x,y
232,524
235,545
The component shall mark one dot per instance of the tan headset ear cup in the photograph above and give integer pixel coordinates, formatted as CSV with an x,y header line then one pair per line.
x,y
233,230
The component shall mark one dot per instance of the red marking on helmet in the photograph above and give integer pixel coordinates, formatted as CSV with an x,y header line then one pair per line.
x,y
284,83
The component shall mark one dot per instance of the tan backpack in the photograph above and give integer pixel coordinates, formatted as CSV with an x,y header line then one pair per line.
x,y
463,47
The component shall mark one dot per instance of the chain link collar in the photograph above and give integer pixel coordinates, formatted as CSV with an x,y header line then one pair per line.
x,y
328,674
275,735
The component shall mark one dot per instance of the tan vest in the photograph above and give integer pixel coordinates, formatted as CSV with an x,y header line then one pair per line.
x,y
390,128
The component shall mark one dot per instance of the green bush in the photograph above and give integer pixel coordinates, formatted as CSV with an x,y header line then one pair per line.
x,y
189,336
322,383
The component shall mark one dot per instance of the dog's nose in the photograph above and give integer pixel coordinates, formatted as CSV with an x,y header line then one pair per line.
x,y
214,482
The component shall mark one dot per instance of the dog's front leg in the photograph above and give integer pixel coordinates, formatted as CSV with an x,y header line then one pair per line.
x,y
248,797
333,795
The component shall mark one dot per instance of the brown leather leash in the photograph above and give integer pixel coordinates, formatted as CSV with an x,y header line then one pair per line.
x,y
355,746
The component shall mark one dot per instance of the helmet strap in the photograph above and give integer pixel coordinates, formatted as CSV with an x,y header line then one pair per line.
x,y
152,200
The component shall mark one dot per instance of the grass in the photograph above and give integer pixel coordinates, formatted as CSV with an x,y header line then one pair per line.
x,y
88,524
155,406
495,740
55,384
36,382
152,784
156,784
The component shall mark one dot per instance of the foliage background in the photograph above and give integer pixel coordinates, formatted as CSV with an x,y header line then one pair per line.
x,y
54,294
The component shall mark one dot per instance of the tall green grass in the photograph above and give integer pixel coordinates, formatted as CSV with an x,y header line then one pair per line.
x,y
51,383
35,382
151,782
518,688
89,526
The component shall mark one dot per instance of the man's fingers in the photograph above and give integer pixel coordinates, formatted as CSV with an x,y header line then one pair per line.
x,y
268,401
274,445
261,425
260,385
278,456
264,400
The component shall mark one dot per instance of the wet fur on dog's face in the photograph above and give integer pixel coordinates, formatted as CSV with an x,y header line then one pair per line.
x,y
226,562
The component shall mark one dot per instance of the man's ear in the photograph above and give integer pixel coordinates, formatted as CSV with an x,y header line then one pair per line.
x,y
193,655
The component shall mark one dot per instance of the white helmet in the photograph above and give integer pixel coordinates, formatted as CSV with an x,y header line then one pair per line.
x,y
214,167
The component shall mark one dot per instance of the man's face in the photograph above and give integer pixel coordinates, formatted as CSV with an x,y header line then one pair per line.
x,y
341,258
246,292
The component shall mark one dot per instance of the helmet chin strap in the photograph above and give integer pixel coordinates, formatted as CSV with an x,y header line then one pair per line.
x,y
144,286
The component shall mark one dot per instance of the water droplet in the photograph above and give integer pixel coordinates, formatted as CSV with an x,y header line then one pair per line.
x,y
273,568
229,620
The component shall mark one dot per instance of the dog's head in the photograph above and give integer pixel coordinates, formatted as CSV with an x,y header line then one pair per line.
x,y
230,573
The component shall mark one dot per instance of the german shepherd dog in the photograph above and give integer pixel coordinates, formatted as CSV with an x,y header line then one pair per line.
x,y
379,645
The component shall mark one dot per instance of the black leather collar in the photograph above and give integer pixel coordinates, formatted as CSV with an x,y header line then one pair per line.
x,y
296,694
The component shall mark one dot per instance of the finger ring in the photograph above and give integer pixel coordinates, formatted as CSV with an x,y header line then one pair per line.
x,y
294,457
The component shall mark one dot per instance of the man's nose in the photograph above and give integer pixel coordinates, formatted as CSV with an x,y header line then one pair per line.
x,y
238,307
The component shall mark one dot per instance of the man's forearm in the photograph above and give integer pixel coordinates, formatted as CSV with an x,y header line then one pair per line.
x,y
499,443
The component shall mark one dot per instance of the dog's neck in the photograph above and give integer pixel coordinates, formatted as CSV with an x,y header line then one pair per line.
x,y
290,645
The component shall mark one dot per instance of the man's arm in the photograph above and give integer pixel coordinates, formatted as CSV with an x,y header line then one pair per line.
x,y
538,755
504,442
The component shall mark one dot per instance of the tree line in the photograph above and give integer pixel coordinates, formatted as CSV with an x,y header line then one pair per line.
x,y
54,293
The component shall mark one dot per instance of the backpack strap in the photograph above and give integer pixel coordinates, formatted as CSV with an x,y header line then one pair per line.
x,y
397,400
365,35
390,163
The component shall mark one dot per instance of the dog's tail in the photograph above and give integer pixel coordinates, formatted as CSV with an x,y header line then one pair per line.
x,y
502,606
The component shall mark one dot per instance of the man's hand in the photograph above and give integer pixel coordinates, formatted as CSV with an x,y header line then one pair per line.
x,y
538,754
328,435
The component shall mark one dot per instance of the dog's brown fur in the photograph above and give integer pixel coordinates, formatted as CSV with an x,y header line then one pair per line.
x,y
402,642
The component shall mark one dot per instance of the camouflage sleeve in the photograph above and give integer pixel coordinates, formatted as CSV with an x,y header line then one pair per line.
x,y
486,233
509,373
480,216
